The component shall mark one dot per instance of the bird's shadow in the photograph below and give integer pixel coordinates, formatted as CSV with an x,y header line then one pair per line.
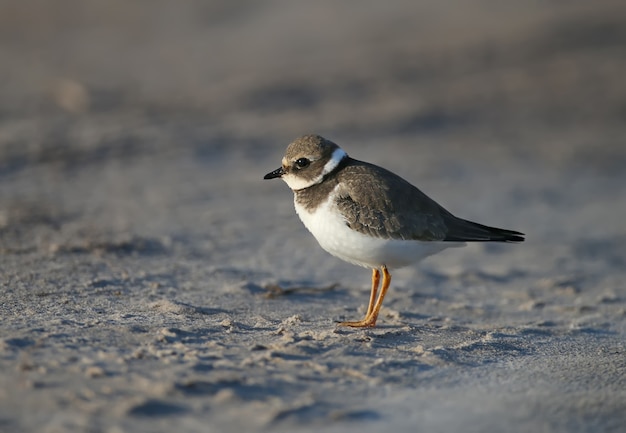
x,y
303,290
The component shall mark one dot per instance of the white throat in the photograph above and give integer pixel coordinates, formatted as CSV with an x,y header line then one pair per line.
x,y
296,182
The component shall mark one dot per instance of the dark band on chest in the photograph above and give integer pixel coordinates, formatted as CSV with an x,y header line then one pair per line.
x,y
314,196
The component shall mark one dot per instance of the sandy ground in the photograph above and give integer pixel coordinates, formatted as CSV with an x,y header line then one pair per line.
x,y
152,282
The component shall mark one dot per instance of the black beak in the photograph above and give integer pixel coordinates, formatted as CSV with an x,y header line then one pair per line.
x,y
274,174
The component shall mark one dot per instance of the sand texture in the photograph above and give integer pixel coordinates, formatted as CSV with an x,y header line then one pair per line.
x,y
151,281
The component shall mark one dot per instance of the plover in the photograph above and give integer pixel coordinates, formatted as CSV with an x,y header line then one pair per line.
x,y
369,216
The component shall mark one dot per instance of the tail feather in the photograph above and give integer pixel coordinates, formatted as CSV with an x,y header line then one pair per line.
x,y
460,230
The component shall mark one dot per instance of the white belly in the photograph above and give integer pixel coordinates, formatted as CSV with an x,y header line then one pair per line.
x,y
333,235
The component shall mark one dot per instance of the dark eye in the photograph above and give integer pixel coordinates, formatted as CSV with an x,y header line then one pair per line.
x,y
302,162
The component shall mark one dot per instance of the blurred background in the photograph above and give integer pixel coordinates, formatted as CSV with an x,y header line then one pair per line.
x,y
141,116
358,67
138,239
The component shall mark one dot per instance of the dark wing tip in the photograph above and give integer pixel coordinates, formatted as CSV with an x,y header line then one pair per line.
x,y
508,236
516,237
460,230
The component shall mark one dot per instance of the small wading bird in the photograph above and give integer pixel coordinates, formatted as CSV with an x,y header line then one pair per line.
x,y
369,216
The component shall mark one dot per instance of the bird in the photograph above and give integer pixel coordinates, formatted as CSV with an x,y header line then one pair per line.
x,y
370,217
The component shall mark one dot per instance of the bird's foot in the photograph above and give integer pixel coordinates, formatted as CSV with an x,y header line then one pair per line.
x,y
368,322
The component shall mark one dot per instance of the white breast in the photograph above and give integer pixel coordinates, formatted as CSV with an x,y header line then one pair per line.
x,y
329,228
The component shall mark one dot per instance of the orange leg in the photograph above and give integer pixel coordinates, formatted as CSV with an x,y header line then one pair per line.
x,y
374,308
374,292
371,319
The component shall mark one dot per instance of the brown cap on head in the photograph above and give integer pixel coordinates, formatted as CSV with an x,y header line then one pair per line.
x,y
307,160
314,147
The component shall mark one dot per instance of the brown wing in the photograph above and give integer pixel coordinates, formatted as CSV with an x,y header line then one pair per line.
x,y
379,203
